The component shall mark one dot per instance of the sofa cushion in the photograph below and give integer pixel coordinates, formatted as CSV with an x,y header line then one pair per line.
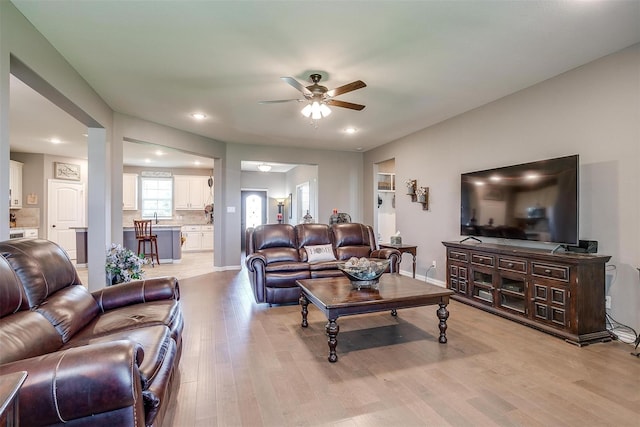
x,y
353,240
12,297
286,266
276,242
312,235
133,316
69,310
42,267
320,253
26,334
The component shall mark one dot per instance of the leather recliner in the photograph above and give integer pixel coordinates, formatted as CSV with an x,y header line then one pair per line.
x,y
102,358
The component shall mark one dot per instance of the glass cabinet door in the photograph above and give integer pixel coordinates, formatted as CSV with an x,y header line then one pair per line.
x,y
512,294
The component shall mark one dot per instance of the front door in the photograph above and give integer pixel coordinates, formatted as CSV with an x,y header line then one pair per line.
x,y
253,211
66,209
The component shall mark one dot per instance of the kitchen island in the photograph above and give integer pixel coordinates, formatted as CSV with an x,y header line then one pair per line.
x,y
169,245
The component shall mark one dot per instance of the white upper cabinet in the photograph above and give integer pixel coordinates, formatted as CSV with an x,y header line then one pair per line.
x,y
15,184
129,192
191,192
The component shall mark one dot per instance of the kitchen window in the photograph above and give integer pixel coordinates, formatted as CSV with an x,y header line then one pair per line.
x,y
157,198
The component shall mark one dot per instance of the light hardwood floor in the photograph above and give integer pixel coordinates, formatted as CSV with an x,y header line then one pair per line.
x,y
245,364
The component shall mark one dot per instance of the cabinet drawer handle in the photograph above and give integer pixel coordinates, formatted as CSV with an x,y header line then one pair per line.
x,y
547,271
510,265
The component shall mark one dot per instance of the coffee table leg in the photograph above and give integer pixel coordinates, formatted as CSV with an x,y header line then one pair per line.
x,y
332,331
304,302
443,315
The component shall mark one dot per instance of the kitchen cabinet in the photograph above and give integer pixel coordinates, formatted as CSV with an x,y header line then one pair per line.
x,y
197,238
129,192
207,238
562,294
191,192
15,184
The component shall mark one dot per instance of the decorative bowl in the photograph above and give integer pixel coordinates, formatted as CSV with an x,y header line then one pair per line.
x,y
364,276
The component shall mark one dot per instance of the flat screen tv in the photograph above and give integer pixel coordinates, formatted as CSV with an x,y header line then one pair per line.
x,y
535,201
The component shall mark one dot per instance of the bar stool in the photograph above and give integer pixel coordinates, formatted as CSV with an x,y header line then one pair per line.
x,y
144,235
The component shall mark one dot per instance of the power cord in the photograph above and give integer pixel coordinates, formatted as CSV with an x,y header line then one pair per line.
x,y
426,274
613,326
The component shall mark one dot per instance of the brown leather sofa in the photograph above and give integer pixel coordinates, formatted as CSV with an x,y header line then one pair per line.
x,y
105,358
276,256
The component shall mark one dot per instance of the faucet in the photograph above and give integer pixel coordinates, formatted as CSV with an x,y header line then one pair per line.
x,y
155,217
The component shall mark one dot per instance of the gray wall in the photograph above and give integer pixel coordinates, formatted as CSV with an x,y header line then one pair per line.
x,y
593,111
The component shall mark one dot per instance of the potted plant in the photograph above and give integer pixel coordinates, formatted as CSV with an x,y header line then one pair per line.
x,y
122,265
421,194
411,186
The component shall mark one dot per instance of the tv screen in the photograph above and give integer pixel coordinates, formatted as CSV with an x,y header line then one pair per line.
x,y
531,201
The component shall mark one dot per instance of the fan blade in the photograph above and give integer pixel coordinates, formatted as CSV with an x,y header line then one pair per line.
x,y
343,104
296,84
277,101
358,84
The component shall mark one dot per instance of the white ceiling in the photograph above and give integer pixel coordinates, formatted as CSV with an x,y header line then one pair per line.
x,y
422,61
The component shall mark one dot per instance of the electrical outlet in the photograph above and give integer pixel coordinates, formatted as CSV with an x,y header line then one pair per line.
x,y
607,301
433,264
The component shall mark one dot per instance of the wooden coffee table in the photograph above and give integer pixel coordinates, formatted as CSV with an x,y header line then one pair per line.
x,y
335,297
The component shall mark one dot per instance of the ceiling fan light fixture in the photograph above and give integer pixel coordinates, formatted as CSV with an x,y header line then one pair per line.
x,y
263,167
324,110
306,111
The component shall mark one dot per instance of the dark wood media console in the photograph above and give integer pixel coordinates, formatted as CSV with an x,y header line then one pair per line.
x,y
562,294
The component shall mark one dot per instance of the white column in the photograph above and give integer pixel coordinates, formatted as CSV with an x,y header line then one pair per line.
x,y
99,202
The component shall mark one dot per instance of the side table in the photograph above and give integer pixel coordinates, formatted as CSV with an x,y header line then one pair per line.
x,y
9,387
409,249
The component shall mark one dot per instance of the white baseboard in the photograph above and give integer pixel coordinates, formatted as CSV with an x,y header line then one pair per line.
x,y
422,278
626,337
227,268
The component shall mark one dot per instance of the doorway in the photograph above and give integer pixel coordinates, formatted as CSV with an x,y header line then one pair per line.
x,y
66,209
253,212
385,195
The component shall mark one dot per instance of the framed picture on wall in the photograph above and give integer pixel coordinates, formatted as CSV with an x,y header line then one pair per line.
x,y
68,171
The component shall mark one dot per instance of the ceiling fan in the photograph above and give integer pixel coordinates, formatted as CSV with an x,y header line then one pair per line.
x,y
318,96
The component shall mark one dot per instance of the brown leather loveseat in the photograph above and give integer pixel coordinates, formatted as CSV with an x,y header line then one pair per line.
x,y
280,254
105,358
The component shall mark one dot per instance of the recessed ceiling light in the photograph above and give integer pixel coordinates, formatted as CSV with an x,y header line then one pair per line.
x,y
147,160
159,153
350,130
197,162
198,116
85,135
55,140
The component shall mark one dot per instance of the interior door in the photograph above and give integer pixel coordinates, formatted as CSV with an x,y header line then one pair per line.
x,y
253,211
66,209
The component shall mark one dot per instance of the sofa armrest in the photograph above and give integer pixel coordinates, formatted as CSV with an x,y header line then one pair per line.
x,y
391,254
256,262
81,382
137,292
256,267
